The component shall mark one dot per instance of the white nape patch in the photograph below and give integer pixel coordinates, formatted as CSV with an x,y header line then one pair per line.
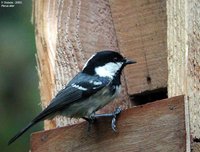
x,y
109,69
78,87
88,61
118,89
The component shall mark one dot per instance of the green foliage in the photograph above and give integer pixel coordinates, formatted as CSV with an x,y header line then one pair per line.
x,y
19,94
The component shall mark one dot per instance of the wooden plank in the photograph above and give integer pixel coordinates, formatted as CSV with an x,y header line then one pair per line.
x,y
157,126
141,33
193,69
183,36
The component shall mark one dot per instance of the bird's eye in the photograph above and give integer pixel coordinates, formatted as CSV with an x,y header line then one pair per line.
x,y
115,59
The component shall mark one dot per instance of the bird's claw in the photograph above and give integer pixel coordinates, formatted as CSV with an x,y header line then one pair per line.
x,y
93,117
117,111
114,120
113,124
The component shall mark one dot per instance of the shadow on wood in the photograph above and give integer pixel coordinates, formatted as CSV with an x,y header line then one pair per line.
x,y
157,126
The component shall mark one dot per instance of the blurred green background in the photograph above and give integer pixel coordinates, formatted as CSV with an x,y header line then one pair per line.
x,y
19,93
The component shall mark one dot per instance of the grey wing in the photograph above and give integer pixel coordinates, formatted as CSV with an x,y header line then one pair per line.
x,y
81,87
67,96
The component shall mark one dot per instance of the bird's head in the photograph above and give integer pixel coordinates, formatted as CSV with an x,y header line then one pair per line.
x,y
106,64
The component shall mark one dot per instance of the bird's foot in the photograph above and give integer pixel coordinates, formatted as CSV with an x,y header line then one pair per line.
x,y
113,115
114,119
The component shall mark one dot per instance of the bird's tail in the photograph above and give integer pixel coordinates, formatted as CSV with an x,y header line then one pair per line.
x,y
44,114
21,132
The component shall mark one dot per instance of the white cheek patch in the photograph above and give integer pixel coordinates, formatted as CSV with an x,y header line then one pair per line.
x,y
109,69
79,87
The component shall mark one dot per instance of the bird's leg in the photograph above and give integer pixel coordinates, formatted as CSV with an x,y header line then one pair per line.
x,y
113,115
90,121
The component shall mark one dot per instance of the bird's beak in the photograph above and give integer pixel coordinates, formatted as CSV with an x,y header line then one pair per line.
x,y
130,61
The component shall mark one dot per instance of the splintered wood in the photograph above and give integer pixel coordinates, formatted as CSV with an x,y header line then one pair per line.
x,y
157,126
46,49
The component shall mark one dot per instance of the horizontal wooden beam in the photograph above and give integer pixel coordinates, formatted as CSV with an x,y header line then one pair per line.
x,y
157,126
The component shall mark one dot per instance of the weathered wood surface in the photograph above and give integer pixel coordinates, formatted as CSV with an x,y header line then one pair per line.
x,y
183,37
68,32
157,126
193,84
46,46
177,46
141,29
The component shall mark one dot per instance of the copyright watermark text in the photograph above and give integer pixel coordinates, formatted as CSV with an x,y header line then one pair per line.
x,y
10,4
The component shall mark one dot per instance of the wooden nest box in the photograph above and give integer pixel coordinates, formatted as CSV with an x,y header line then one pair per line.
x,y
162,36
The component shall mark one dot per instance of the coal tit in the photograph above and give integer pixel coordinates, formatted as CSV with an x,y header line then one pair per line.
x,y
91,89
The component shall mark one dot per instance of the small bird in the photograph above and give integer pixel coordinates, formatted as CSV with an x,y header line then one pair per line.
x,y
90,90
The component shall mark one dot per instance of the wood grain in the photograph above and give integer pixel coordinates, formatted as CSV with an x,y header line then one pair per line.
x,y
157,126
183,41
193,84
141,28
46,46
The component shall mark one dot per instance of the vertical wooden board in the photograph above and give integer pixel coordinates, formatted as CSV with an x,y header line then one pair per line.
x,y
46,47
141,33
183,38
193,84
177,47
96,27
158,126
